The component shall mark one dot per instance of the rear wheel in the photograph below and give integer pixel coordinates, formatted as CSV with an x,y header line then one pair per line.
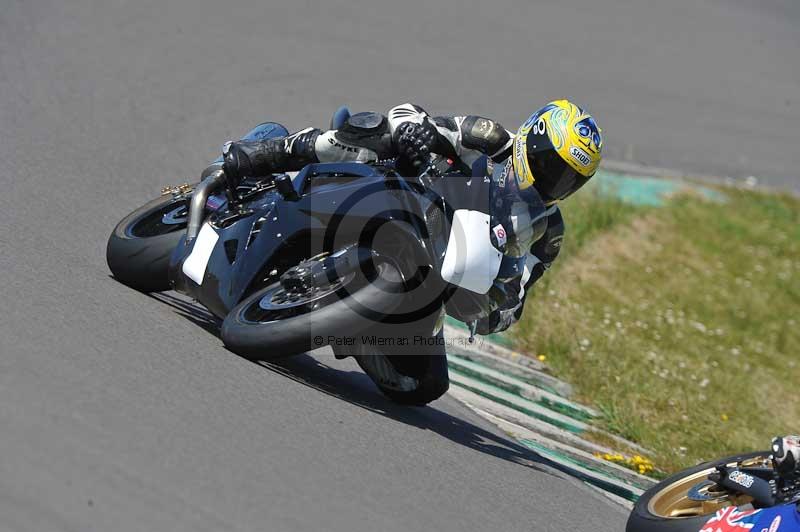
x,y
139,249
405,361
413,380
687,500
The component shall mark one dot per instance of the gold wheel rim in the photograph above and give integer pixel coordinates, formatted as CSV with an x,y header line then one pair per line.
x,y
673,502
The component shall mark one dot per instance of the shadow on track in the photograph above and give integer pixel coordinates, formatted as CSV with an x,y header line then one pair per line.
x,y
185,308
358,389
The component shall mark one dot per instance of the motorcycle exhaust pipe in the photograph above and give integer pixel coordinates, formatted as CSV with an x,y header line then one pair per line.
x,y
197,205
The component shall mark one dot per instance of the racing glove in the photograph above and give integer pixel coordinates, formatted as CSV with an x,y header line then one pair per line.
x,y
414,143
786,455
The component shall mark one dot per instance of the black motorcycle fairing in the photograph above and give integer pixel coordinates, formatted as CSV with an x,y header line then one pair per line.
x,y
274,234
474,192
338,204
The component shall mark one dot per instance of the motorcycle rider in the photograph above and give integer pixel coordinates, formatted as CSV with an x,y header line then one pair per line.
x,y
555,152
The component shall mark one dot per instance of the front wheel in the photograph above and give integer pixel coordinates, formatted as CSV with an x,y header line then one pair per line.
x,y
686,501
140,246
295,315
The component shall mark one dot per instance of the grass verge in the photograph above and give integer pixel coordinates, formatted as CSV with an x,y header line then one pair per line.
x,y
679,323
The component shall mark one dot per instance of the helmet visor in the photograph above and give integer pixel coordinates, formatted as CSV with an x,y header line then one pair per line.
x,y
553,177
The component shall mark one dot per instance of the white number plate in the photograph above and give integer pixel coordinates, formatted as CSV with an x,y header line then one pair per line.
x,y
195,264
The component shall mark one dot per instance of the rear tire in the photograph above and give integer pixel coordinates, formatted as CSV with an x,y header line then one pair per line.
x,y
431,373
644,518
423,362
139,249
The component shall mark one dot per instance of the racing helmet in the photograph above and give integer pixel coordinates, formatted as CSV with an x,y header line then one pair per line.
x,y
556,151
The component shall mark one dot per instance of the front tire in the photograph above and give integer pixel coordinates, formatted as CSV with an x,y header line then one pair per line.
x,y
139,248
258,327
666,508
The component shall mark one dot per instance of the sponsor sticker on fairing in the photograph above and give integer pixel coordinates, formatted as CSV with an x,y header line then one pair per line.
x,y
500,234
776,524
743,479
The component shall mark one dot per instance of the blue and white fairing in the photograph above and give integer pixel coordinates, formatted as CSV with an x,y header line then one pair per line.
x,y
783,518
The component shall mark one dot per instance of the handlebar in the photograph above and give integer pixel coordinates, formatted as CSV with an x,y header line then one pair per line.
x,y
431,171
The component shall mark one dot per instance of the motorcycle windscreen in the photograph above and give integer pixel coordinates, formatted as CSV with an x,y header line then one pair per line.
x,y
471,261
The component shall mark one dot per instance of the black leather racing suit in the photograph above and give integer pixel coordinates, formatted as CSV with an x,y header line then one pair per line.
x,y
369,137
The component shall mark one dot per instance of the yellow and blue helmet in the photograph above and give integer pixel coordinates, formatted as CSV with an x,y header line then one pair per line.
x,y
557,150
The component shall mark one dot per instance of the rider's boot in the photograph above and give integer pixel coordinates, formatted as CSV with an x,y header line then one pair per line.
x,y
786,455
258,158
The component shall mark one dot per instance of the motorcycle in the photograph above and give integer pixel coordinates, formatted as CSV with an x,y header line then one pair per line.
x,y
350,255
744,492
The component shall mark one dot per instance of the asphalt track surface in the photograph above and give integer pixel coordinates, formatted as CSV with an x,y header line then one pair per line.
x,y
120,411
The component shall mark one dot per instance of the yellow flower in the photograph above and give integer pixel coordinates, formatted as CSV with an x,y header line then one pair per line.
x,y
724,417
638,463
542,358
